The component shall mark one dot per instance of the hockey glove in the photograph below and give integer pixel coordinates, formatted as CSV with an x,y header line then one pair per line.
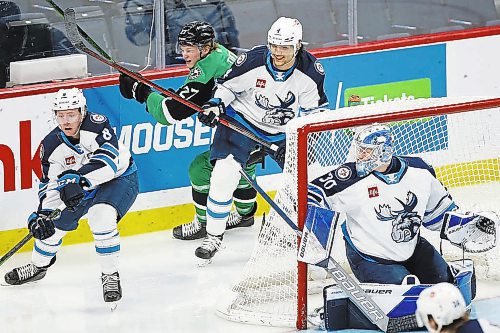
x,y
212,110
130,88
279,155
40,226
70,185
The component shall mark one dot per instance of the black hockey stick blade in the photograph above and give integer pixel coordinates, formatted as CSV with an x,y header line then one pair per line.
x,y
53,215
82,32
74,37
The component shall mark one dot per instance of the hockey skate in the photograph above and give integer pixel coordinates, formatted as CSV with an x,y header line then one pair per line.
x,y
111,289
190,231
211,244
27,273
236,220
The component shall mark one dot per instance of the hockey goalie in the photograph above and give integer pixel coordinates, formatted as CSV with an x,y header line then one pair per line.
x,y
382,200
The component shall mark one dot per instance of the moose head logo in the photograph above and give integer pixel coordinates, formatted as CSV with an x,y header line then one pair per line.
x,y
277,114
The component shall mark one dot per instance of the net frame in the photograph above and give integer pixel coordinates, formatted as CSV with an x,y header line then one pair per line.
x,y
296,167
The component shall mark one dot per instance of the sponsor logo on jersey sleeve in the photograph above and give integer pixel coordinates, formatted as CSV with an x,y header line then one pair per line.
x,y
97,118
343,173
195,73
319,67
372,192
241,59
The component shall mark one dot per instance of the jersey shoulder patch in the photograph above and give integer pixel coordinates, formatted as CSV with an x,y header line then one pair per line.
x,y
195,73
50,143
247,61
98,118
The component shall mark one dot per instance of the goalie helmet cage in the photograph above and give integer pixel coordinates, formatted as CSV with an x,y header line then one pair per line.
x,y
458,136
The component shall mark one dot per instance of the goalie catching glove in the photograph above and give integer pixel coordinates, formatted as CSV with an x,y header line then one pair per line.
x,y
211,112
473,232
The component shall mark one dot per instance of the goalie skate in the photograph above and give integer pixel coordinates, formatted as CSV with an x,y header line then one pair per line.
x,y
111,289
211,244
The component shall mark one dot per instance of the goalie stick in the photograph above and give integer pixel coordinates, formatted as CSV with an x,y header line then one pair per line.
x,y
80,30
53,215
355,293
74,37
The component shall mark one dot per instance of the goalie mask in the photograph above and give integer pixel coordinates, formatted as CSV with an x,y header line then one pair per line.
x,y
373,148
443,303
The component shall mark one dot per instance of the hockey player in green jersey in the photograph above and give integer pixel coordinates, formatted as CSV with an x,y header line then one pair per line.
x,y
207,60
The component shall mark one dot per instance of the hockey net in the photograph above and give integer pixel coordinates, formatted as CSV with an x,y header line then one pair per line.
x,y
459,137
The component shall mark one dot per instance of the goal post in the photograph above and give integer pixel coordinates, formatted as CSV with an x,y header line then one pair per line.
x,y
459,136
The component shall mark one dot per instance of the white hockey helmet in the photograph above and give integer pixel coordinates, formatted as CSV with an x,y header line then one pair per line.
x,y
376,141
67,99
443,302
285,31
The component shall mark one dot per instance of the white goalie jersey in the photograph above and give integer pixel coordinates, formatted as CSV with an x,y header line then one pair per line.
x,y
384,211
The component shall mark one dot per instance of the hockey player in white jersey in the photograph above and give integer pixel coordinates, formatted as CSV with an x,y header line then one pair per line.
x,y
265,88
386,199
86,167
441,309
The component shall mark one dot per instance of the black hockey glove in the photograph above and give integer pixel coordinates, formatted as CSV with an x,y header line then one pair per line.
x,y
130,88
212,110
70,185
40,226
279,155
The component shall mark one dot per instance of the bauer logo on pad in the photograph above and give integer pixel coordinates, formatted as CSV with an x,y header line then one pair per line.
x,y
373,192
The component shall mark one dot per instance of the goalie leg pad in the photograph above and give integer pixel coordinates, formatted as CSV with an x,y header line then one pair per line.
x,y
102,222
224,180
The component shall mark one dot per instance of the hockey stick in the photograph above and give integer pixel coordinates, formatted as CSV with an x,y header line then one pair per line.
x,y
81,31
74,37
53,215
355,293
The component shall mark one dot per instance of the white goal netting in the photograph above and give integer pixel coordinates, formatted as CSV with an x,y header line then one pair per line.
x,y
462,145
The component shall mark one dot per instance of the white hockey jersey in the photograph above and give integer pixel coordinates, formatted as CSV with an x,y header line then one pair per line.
x,y
98,156
384,211
263,98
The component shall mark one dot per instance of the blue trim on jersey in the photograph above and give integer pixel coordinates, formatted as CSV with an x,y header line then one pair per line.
x,y
278,75
69,144
349,241
106,160
439,218
106,250
438,205
230,112
109,147
393,178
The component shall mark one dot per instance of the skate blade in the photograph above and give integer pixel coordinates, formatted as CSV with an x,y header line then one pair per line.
x,y
203,262
113,306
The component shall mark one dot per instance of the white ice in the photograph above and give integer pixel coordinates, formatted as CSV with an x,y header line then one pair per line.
x,y
163,289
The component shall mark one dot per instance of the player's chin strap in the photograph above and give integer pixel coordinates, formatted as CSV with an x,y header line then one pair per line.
x,y
472,232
